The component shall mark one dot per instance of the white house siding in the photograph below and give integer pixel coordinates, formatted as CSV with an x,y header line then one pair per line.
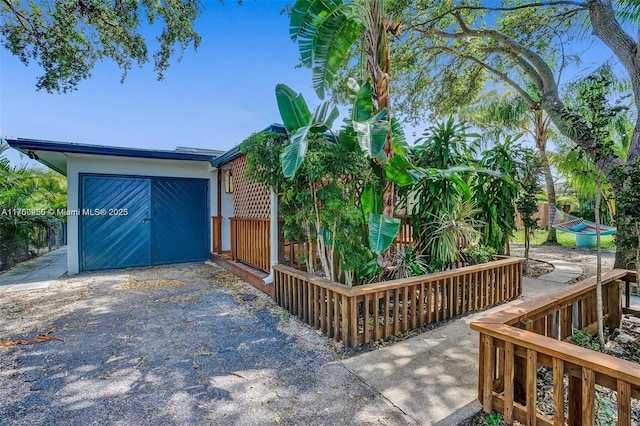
x,y
227,212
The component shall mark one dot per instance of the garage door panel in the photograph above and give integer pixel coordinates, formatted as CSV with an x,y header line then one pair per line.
x,y
115,241
167,221
180,220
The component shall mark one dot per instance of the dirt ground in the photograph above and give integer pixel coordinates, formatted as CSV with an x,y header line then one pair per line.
x,y
179,344
585,258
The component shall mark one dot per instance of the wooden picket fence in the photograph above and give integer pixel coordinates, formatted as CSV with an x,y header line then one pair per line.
x,y
357,315
250,241
216,234
515,342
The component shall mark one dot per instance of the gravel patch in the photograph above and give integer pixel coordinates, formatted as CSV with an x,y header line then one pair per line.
x,y
178,344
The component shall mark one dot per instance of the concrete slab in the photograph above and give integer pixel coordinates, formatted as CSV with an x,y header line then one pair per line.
x,y
433,377
37,273
564,271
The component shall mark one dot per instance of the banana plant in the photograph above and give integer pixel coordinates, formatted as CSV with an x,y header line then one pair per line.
x,y
327,32
365,132
299,123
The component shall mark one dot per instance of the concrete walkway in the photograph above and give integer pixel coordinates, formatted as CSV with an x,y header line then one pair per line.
x,y
433,377
36,273
563,271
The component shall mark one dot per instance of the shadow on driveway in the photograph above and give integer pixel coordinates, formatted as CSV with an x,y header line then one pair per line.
x,y
179,344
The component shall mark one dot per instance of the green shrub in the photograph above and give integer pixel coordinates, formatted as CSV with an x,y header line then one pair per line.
x,y
478,254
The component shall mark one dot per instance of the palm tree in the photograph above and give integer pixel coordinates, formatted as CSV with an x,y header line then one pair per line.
x,y
25,187
327,31
513,113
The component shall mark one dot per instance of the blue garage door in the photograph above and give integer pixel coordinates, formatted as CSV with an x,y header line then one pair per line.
x,y
129,221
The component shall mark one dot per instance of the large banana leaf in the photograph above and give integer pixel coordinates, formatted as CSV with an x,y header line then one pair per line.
x,y
382,231
399,144
372,134
371,200
306,17
348,138
398,171
363,103
293,108
325,39
293,154
323,118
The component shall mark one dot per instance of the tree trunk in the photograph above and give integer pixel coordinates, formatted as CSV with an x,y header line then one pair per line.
x,y
551,195
625,48
541,121
527,244
380,70
599,265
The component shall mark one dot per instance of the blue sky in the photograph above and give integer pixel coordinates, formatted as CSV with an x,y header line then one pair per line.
x,y
214,98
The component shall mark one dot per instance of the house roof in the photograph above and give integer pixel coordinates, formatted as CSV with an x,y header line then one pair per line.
x,y
53,154
233,152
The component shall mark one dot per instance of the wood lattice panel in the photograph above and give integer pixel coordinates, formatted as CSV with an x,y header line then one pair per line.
x,y
250,200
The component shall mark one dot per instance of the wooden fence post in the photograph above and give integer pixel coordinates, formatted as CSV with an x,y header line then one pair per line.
x,y
480,368
614,320
281,246
520,371
488,368
575,401
234,245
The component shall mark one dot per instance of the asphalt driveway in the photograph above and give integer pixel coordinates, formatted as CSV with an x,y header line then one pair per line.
x,y
181,344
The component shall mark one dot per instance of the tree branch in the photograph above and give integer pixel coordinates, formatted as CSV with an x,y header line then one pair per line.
x,y
521,62
502,76
542,68
20,17
607,28
458,9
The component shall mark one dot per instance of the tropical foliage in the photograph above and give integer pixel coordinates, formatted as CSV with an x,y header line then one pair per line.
x,y
365,138
67,38
27,195
576,162
495,196
451,52
319,204
592,109
527,202
499,115
326,33
331,199
443,216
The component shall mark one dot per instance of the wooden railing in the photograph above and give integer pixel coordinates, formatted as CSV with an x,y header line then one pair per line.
x,y
250,241
293,253
405,234
357,315
216,234
515,342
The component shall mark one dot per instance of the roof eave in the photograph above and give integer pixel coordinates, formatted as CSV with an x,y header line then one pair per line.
x,y
70,148
234,153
